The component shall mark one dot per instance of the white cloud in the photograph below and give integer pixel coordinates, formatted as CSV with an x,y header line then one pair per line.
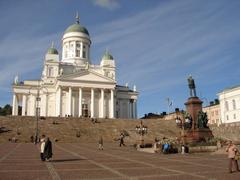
x,y
158,48
109,4
22,56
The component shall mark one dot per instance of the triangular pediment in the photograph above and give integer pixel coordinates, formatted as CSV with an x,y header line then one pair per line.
x,y
86,76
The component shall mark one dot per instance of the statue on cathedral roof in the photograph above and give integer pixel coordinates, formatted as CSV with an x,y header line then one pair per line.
x,y
16,80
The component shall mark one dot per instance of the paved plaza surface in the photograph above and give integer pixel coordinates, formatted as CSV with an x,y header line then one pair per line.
x,y
85,161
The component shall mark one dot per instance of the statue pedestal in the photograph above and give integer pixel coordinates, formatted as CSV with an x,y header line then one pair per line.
x,y
140,142
193,107
196,135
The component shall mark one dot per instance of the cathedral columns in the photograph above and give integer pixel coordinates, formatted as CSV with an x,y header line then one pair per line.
x,y
80,103
33,100
58,102
24,104
102,109
46,105
92,102
112,104
70,101
15,105
130,114
135,109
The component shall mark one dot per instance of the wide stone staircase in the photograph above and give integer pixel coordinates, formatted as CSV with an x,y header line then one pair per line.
x,y
83,129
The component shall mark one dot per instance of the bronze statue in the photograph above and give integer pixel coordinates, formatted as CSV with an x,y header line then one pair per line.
x,y
192,87
202,120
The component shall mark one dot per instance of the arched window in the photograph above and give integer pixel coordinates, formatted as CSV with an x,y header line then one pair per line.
x,y
84,52
226,106
234,104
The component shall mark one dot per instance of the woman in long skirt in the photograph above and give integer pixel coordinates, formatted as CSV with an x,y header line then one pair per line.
x,y
48,149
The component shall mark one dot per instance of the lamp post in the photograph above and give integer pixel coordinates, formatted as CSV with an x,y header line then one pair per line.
x,y
185,124
141,130
180,122
37,114
46,99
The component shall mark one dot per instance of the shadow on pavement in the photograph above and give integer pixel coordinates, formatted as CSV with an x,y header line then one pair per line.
x,y
66,160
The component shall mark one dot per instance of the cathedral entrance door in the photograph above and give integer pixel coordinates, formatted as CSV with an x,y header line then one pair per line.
x,y
85,110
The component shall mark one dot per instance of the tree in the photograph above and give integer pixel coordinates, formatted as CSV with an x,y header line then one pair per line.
x,y
6,110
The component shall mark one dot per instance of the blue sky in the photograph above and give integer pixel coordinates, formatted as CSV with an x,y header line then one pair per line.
x,y
156,43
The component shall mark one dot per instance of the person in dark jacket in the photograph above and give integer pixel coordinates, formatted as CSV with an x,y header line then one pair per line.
x,y
48,149
121,139
100,143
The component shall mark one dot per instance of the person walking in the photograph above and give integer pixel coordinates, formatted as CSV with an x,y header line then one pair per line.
x,y
232,151
121,139
166,147
48,149
42,147
182,149
100,143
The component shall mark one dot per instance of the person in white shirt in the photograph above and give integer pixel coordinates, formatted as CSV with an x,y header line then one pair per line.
x,y
42,148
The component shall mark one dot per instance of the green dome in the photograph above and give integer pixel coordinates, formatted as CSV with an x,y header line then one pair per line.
x,y
76,28
107,56
52,50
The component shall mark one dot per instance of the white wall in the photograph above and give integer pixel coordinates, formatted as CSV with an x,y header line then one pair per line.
x,y
231,114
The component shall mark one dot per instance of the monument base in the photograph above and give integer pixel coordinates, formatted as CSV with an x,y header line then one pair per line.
x,y
193,107
140,142
196,135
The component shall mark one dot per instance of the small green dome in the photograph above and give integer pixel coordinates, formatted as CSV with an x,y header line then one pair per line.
x,y
107,56
52,50
76,28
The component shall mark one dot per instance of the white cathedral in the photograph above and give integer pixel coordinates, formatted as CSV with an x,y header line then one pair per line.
x,y
73,86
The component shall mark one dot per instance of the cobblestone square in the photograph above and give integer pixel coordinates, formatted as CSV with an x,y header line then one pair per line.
x,y
85,161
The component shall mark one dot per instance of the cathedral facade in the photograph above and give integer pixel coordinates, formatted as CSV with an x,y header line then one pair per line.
x,y
73,86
